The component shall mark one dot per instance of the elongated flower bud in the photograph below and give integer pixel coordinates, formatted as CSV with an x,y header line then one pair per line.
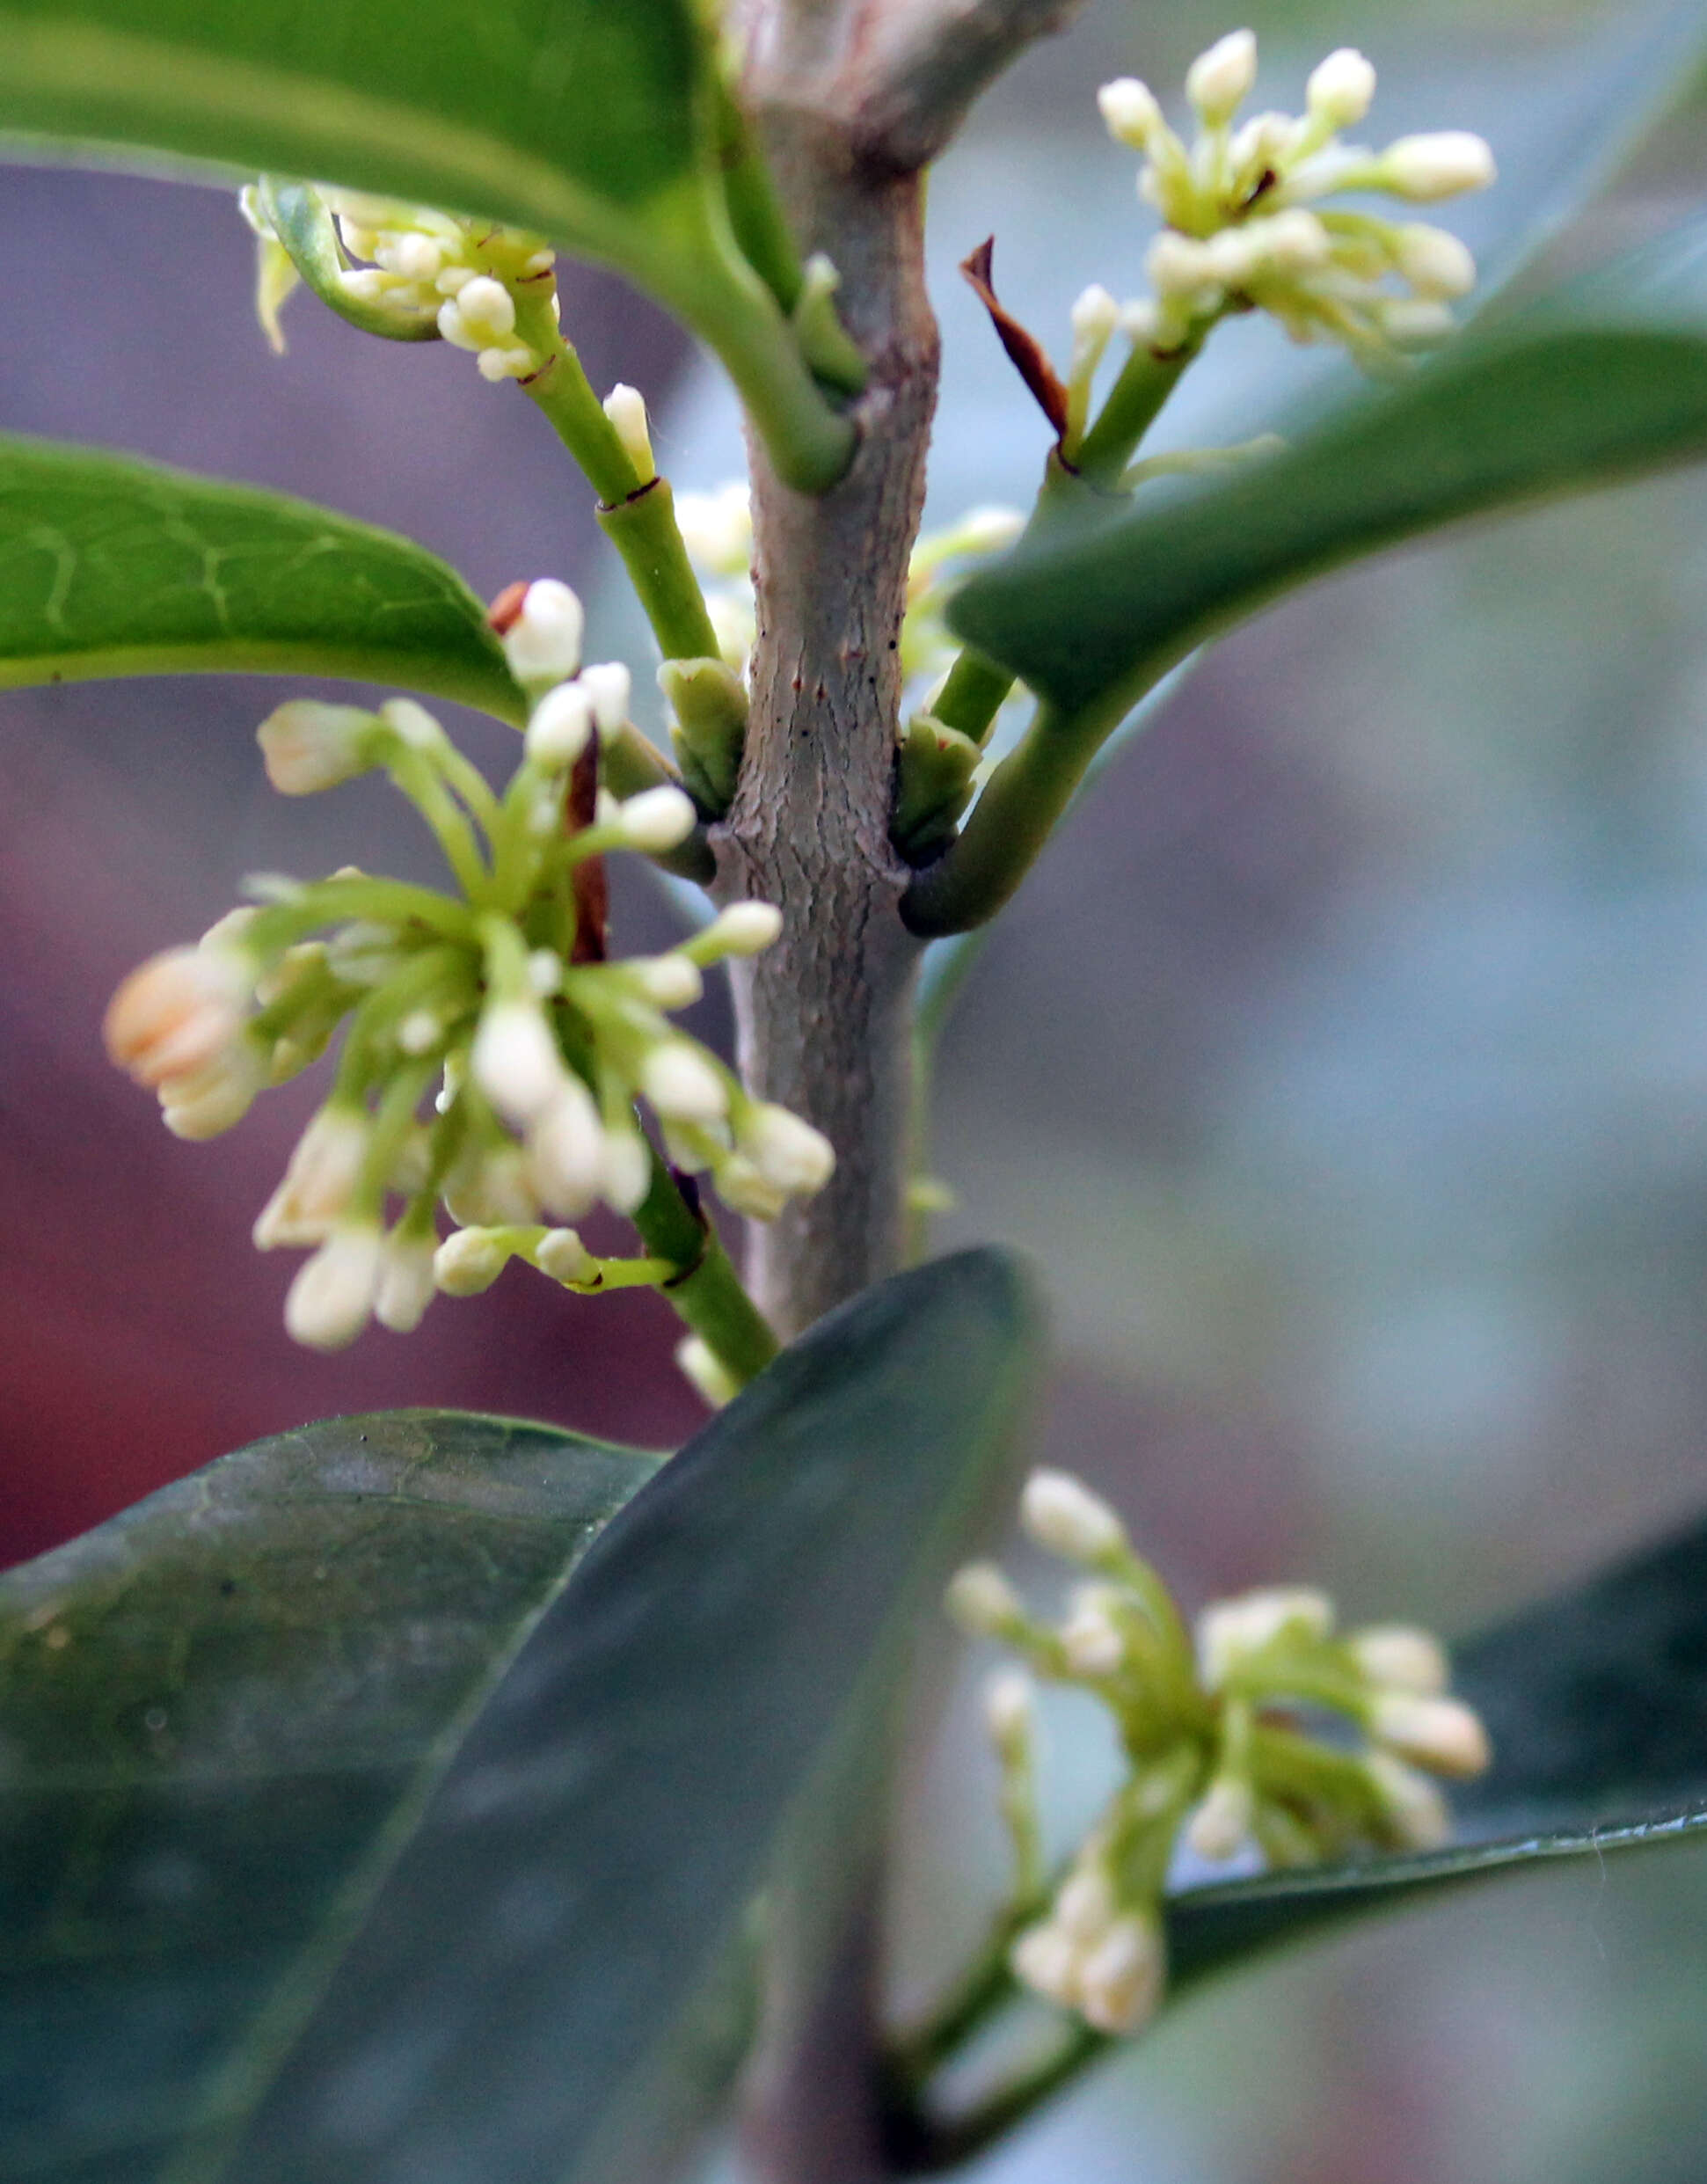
x,y
1061,1513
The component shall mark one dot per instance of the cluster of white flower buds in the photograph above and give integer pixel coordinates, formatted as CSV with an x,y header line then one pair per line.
x,y
490,1064
1216,1728
1242,228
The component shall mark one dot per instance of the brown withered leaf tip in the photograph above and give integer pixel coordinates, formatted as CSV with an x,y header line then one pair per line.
x,y
1026,352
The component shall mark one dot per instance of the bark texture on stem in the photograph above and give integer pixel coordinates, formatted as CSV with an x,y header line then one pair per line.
x,y
822,1017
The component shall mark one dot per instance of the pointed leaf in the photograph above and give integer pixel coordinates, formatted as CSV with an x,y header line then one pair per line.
x,y
536,1996
219,1714
1603,380
1596,1703
111,567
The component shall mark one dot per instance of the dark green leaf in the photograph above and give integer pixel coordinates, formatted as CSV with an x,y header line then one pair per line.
x,y
1601,380
111,566
219,1715
536,1997
1597,1705
572,116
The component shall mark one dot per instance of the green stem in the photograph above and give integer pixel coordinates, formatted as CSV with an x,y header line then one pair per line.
x,y
918,2144
756,212
707,1293
987,1985
1009,824
561,391
972,697
1134,402
632,763
641,524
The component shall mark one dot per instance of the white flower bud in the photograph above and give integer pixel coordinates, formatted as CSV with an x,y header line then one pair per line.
x,y
492,1191
566,1149
1417,321
744,1191
982,1600
317,1180
787,1152
1094,318
1140,322
1442,1734
1414,1806
1047,1960
625,1170
1218,81
542,644
1092,1641
1341,90
1130,111
329,1302
1291,242
1061,1513
668,981
1178,265
449,317
1434,262
200,1104
657,820
608,688
1402,1657
307,745
1235,254
1011,1709
406,1281
626,408
1229,1632
468,1262
415,257
514,362
1425,169
683,1083
559,727
560,1254
744,929
178,1012
411,723
1222,1821
1086,1905
699,1364
1120,1981
487,309
515,1060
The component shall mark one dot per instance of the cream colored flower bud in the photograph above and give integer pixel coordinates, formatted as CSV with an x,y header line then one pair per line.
x,y
317,1181
1178,265
542,644
682,1083
1047,1960
668,981
625,1170
1442,1734
1414,1806
610,689
700,1364
1292,242
177,1012
1120,1981
1219,81
468,1262
328,1303
982,1600
1434,262
790,1155
1094,316
1229,1632
200,1104
1417,321
307,745
515,1060
1061,1513
745,929
566,1149
487,309
1130,110
657,820
1425,168
1086,1905
561,1254
1341,90
1011,1709
514,360
626,408
1401,1656
407,1284
744,1191
559,727
1222,1821
1092,1642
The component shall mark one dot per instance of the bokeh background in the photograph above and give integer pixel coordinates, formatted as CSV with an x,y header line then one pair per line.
x,y
1343,1068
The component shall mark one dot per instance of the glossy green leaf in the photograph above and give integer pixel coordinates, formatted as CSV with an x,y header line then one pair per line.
x,y
1596,1703
111,566
1601,380
219,1714
541,1992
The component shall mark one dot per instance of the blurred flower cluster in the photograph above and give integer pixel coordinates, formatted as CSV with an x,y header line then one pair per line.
x,y
1262,1732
